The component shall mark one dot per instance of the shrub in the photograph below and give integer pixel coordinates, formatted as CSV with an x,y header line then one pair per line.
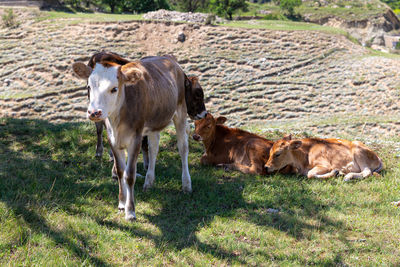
x,y
9,19
288,6
397,46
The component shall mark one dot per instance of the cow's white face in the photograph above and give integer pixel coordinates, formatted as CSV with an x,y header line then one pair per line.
x,y
105,84
103,92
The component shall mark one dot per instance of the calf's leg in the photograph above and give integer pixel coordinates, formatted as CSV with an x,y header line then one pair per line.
x,y
118,170
154,139
99,145
183,147
129,177
321,172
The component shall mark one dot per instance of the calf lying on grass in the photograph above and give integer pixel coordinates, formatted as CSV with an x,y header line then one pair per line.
x,y
324,158
230,147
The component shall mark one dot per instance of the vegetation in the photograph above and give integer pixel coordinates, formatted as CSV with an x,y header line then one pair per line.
x,y
394,4
58,205
9,19
288,6
226,8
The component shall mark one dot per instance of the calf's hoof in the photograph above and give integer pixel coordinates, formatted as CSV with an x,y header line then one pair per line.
x,y
147,186
348,178
99,155
130,216
187,189
396,203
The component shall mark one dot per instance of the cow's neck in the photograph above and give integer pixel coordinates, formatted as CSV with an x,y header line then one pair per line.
x,y
300,160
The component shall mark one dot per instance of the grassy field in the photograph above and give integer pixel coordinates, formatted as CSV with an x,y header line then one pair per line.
x,y
58,206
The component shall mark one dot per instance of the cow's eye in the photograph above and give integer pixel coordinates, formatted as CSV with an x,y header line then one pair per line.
x,y
277,155
88,87
115,89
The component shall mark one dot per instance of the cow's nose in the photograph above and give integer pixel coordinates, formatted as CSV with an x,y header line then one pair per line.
x,y
196,137
95,113
266,168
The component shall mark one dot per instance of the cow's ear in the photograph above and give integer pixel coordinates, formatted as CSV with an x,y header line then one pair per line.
x,y
295,144
221,120
194,79
130,73
287,137
81,70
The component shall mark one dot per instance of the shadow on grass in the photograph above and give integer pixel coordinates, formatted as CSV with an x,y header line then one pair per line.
x,y
52,166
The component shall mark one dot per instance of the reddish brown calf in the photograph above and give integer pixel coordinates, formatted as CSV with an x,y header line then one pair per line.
x,y
233,148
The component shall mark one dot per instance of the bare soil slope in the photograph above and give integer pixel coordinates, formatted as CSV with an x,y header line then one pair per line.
x,y
291,80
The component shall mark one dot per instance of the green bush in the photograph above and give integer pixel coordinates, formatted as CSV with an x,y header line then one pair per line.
x,y
227,7
288,6
397,46
9,19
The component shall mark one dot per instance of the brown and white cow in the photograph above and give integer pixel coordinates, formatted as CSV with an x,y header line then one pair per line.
x,y
194,97
231,148
136,99
324,158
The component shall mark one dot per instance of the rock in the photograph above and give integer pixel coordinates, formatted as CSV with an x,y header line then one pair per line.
x,y
163,14
181,37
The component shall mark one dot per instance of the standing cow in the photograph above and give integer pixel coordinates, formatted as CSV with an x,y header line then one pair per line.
x,y
324,158
136,99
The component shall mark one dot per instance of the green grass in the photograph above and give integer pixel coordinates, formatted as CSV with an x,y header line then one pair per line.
x,y
58,206
56,15
282,25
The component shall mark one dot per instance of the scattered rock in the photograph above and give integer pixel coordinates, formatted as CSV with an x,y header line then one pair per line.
x,y
181,37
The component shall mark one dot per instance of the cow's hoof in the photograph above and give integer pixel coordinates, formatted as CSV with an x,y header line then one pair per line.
x,y
130,216
396,203
187,189
336,173
121,207
98,155
348,178
147,186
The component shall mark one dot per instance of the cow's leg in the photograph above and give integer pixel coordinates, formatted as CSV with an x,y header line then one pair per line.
x,y
129,177
154,139
99,146
183,147
239,167
321,172
118,170
145,152
358,175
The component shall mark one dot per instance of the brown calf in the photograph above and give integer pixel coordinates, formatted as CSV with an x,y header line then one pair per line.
x,y
232,148
324,158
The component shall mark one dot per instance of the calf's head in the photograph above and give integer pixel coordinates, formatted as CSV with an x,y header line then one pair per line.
x,y
205,128
281,154
194,97
106,83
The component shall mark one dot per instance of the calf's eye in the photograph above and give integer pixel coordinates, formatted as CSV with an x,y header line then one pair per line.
x,y
115,89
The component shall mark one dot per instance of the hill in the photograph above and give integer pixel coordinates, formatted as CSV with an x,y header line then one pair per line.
x,y
309,81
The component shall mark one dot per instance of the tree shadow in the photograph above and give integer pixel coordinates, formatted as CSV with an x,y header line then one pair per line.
x,y
61,165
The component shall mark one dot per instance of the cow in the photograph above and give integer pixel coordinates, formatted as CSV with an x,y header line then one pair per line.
x,y
137,99
231,148
324,158
194,97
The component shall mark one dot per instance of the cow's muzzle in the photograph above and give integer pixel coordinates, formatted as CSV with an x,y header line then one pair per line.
x,y
202,115
197,137
95,115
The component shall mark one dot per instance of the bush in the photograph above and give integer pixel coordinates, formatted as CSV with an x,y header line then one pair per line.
x,y
397,46
288,6
9,19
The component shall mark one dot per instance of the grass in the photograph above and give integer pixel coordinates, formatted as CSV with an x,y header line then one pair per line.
x,y
56,15
58,206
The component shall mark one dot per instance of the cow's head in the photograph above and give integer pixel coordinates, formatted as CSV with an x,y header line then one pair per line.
x,y
281,154
106,81
194,97
205,128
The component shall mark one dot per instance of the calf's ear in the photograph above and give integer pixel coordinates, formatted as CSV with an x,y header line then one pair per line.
x,y
81,70
220,120
130,73
287,137
295,144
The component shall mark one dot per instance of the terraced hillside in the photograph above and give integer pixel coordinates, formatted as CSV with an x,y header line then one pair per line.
x,y
291,80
